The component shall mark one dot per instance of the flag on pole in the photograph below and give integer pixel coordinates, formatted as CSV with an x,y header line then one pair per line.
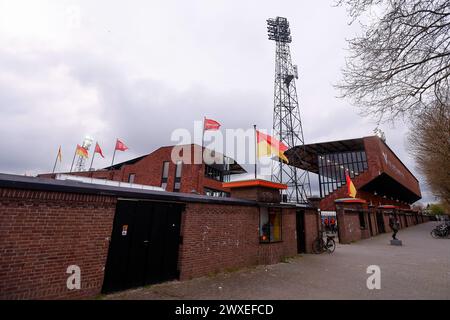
x,y
210,124
268,145
120,146
350,186
98,149
59,156
82,152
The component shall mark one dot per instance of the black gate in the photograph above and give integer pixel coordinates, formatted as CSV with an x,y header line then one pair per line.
x,y
301,239
380,222
144,245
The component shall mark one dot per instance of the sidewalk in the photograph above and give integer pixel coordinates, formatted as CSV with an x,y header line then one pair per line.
x,y
420,269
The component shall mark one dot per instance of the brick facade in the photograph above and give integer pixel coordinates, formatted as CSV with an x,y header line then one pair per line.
x,y
218,238
148,171
42,233
348,216
380,159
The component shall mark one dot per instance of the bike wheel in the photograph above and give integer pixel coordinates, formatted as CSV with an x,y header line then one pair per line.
x,y
318,246
331,246
434,234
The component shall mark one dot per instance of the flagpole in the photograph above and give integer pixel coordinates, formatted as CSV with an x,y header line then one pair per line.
x,y
56,160
203,135
256,153
73,160
93,155
114,154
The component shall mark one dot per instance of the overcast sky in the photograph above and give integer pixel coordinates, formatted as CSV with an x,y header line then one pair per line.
x,y
137,70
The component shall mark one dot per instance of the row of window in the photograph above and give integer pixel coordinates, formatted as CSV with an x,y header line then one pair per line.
x,y
215,193
333,166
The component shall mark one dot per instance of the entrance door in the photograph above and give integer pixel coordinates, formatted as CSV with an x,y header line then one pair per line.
x,y
369,216
301,239
144,245
380,222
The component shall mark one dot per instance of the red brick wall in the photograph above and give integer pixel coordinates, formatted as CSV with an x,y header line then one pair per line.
x,y
219,237
349,227
42,233
311,228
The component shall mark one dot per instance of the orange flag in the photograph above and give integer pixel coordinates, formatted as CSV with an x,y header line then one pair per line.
x,y
82,151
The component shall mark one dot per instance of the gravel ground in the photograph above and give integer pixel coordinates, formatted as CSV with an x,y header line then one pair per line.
x,y
420,269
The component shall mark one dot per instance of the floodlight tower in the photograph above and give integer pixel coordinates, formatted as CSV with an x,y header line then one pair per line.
x,y
287,125
87,142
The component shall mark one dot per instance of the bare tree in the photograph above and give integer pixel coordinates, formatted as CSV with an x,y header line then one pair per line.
x,y
401,64
429,142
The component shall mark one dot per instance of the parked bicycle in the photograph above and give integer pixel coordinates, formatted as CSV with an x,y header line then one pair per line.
x,y
441,231
320,245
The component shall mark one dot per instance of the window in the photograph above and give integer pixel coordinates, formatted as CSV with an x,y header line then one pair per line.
x,y
269,225
333,166
177,184
215,193
213,173
131,177
362,221
165,175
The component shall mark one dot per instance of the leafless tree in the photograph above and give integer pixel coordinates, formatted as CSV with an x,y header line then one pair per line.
x,y
401,63
429,142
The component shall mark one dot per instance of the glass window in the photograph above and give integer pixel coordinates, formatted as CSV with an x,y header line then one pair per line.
x,y
178,169
165,173
177,182
131,177
269,225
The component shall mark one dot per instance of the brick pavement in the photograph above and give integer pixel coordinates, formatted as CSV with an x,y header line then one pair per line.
x,y
420,269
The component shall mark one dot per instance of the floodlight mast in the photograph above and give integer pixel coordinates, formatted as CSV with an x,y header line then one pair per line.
x,y
287,124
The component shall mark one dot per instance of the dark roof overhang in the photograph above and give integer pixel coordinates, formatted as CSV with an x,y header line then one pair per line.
x,y
386,185
305,157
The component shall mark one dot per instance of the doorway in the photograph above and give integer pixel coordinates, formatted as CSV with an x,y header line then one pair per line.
x,y
301,238
380,222
144,245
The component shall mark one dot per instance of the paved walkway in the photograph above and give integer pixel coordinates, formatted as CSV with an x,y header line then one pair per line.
x,y
420,269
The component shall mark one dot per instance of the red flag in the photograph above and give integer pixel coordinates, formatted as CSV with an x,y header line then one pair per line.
x,y
120,146
98,150
211,124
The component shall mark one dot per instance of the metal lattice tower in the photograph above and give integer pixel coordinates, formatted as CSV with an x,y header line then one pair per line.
x,y
287,125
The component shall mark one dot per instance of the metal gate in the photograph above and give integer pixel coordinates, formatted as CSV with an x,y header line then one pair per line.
x,y
144,245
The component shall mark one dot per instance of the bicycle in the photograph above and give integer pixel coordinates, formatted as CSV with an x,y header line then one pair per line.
x,y
320,246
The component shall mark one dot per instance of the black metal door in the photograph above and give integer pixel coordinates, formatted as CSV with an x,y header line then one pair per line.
x,y
144,245
380,222
301,239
